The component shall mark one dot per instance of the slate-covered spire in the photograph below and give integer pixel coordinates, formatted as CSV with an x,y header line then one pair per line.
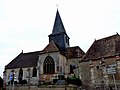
x,y
59,35
58,25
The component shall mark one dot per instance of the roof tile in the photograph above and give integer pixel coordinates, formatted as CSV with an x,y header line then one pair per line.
x,y
104,47
75,52
24,60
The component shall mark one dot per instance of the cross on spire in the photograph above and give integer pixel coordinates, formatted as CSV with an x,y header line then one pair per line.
x,y
57,6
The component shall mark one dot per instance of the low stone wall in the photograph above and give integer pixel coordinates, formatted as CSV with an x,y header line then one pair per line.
x,y
49,87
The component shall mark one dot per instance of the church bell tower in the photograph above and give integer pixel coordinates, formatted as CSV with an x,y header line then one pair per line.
x,y
59,35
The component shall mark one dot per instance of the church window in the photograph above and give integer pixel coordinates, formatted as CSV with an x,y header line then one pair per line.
x,y
97,67
71,69
20,75
34,72
49,66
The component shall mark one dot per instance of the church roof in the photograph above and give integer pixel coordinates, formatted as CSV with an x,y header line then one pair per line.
x,y
58,25
24,60
105,47
30,59
75,52
51,47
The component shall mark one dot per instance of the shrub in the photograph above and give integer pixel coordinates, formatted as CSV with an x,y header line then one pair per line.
x,y
74,81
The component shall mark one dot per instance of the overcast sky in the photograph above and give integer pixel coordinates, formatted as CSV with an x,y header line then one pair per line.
x,y
26,24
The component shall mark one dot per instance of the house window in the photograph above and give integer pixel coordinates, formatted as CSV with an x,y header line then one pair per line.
x,y
34,72
49,66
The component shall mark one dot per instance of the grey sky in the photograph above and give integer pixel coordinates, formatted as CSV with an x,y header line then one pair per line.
x,y
26,24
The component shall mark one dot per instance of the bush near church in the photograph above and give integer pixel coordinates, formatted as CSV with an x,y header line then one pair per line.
x,y
74,81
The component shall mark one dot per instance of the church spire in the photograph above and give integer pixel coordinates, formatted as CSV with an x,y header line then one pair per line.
x,y
59,35
58,25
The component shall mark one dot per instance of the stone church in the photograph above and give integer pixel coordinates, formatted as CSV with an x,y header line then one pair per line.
x,y
57,60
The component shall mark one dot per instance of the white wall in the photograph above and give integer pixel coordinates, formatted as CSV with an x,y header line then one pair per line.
x,y
33,80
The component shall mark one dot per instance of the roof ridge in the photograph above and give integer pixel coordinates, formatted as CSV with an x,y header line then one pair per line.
x,y
32,52
104,47
108,37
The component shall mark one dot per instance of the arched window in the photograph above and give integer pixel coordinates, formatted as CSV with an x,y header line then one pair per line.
x,y
20,75
34,72
49,66
71,69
